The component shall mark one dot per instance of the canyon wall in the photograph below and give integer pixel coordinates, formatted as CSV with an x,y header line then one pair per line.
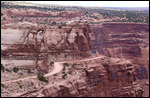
x,y
124,40
101,77
27,41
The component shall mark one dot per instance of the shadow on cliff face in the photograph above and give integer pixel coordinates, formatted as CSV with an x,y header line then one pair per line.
x,y
141,73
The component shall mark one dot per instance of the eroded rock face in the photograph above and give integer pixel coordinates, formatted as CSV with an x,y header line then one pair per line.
x,y
29,41
105,77
124,40
35,13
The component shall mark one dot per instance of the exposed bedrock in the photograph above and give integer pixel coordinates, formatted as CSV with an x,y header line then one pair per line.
x,y
104,77
124,40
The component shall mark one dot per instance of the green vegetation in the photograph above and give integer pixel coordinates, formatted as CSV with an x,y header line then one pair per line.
x,y
60,27
64,75
5,5
66,64
2,85
51,63
64,68
8,70
70,72
53,23
63,72
73,65
19,85
41,77
29,71
2,68
15,69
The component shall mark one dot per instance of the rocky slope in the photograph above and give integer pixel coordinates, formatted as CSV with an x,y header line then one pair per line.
x,y
93,77
124,40
102,77
28,41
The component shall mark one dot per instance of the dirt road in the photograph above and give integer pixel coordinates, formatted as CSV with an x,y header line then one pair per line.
x,y
58,66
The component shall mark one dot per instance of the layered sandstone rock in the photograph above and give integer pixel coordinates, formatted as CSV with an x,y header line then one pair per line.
x,y
104,77
28,41
124,40
36,13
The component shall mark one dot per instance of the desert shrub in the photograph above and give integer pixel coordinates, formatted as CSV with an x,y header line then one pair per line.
x,y
2,68
8,70
73,65
15,69
29,71
41,77
20,86
53,23
2,85
66,64
63,72
60,27
64,68
70,72
51,62
63,76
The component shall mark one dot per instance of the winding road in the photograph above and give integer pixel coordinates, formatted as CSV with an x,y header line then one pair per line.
x,y
58,66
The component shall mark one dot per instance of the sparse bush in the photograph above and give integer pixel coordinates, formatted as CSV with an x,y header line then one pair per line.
x,y
20,86
41,77
73,65
2,68
51,62
2,85
70,72
29,71
64,68
53,23
60,27
66,64
8,70
63,72
63,76
15,69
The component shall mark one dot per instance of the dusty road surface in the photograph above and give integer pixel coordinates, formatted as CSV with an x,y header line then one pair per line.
x,y
58,66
